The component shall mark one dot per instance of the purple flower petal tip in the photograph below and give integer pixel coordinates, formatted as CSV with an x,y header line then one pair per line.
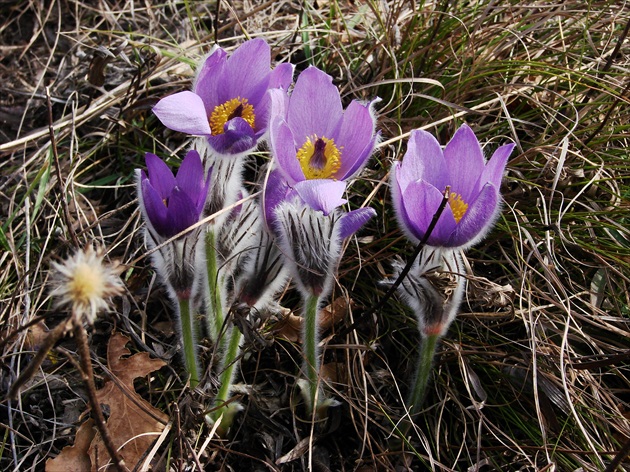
x,y
237,137
184,112
353,221
275,192
321,195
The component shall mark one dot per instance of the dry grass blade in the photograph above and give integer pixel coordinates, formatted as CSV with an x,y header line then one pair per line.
x,y
532,376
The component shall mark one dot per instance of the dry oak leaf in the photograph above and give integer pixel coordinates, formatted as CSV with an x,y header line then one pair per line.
x,y
133,423
75,458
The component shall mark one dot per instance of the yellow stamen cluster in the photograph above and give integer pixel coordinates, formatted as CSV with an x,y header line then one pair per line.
x,y
237,107
458,206
319,158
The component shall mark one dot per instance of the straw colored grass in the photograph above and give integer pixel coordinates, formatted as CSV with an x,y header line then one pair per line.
x,y
532,376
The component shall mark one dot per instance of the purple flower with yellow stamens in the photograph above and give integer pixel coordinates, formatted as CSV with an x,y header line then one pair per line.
x,y
312,137
426,172
229,102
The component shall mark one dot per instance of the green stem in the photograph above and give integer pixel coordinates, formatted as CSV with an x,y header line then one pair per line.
x,y
189,330
416,394
311,355
425,365
215,310
226,379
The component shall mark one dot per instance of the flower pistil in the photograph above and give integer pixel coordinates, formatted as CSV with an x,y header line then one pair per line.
x,y
320,158
234,108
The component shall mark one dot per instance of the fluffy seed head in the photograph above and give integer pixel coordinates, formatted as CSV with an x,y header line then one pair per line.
x,y
85,283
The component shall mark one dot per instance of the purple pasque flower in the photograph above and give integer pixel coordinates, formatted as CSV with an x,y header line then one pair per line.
x,y
229,103
169,206
172,204
313,138
310,227
426,172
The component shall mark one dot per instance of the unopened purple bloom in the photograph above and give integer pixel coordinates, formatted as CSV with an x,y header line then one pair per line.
x,y
229,102
314,138
172,204
420,180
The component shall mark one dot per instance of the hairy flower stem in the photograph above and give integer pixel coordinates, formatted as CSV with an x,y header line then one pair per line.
x,y
311,355
215,310
226,379
428,347
189,331
421,381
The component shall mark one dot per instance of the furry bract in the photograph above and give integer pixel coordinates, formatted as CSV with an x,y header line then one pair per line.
x,y
309,230
426,171
229,103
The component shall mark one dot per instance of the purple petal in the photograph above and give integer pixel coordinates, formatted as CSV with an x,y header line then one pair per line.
x,y
203,196
273,105
281,76
283,148
352,222
421,201
465,161
237,137
247,71
495,167
184,112
394,186
275,192
207,83
478,219
321,194
354,135
181,213
315,107
154,207
190,178
423,160
160,175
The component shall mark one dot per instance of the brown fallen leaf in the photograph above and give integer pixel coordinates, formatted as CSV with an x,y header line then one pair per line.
x,y
75,458
335,312
298,451
334,372
132,421
290,328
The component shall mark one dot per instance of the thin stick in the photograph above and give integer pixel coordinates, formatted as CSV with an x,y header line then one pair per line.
x,y
378,306
88,378
47,344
